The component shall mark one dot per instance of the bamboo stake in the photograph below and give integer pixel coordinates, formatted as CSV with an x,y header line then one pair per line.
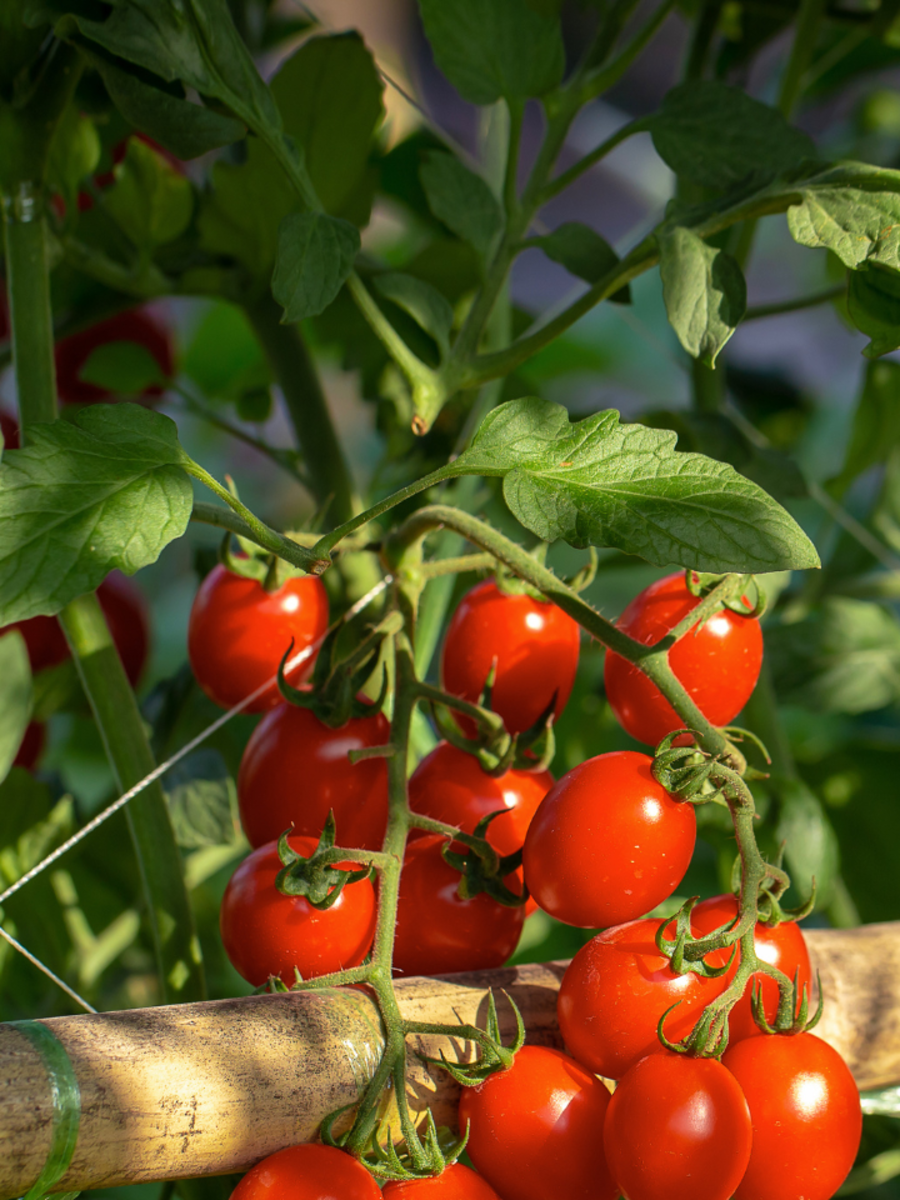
x,y
202,1089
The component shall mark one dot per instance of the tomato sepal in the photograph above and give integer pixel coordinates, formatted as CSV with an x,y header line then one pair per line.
x,y
495,1056
481,868
316,879
687,953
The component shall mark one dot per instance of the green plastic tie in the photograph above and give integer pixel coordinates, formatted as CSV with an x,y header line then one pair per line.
x,y
66,1096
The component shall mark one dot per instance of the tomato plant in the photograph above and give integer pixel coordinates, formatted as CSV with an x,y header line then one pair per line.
x,y
607,842
532,646
535,1129
238,633
307,1173
678,1127
804,1106
717,661
266,933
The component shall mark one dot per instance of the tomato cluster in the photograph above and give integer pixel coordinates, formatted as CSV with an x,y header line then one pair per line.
x,y
778,1116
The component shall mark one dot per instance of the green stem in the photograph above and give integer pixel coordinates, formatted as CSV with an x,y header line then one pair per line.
x,y
796,305
802,50
28,271
708,386
604,78
562,181
159,860
652,660
701,40
259,531
326,466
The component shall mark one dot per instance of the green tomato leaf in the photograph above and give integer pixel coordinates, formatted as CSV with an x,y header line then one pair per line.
x,y
854,210
74,154
126,368
596,482
186,129
490,49
242,215
104,490
461,199
194,41
844,658
315,256
704,291
224,357
150,201
876,424
873,302
810,843
718,136
16,697
424,304
329,93
584,253
202,801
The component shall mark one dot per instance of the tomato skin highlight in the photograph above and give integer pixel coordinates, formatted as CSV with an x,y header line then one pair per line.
x,y
135,325
782,946
678,1128
536,646
449,785
607,843
807,1121
718,664
265,933
295,770
614,992
437,932
457,1182
535,1130
238,633
310,1172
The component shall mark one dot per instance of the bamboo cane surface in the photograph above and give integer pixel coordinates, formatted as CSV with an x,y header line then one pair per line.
x,y
200,1089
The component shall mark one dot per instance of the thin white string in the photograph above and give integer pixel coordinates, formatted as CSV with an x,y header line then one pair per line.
x,y
155,774
46,970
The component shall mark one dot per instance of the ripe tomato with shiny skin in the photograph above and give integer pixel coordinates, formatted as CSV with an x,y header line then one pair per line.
x,y
782,946
309,1172
807,1121
608,842
450,785
535,645
266,933
614,992
238,633
138,325
457,1182
536,1130
718,662
295,770
437,931
678,1128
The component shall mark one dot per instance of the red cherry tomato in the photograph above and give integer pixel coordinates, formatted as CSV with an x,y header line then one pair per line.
x,y
607,842
449,785
439,933
535,645
126,613
136,325
9,427
455,1183
614,992
782,947
678,1128
718,663
238,633
536,1130
295,770
265,933
31,747
804,1105
310,1172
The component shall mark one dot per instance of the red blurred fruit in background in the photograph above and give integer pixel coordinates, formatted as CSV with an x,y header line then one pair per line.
x,y
137,325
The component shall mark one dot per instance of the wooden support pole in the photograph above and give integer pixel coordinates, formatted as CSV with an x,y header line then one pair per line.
x,y
202,1089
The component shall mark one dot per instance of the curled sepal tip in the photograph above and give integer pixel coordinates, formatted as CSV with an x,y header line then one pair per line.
x,y
687,953
793,1008
316,878
481,868
434,1152
494,1057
